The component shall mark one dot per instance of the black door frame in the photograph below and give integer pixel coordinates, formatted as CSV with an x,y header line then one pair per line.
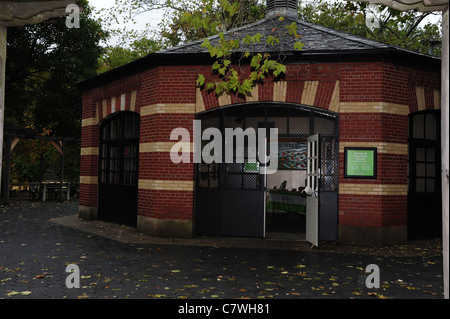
x,y
118,168
211,203
424,212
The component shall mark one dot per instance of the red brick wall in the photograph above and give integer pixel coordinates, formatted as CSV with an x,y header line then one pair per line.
x,y
358,83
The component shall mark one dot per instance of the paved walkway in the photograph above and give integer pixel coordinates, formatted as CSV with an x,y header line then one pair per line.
x,y
38,240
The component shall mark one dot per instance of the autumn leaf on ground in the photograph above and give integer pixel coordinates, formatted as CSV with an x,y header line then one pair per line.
x,y
12,293
299,266
156,296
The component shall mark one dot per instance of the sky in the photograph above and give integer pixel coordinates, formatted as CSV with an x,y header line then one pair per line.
x,y
154,18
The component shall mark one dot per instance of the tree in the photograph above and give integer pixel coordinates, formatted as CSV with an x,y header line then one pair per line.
x,y
416,31
178,27
186,21
117,55
45,62
191,20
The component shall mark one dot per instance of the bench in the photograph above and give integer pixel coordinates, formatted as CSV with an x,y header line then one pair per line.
x,y
44,191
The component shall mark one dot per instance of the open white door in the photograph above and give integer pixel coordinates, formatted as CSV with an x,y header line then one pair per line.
x,y
312,190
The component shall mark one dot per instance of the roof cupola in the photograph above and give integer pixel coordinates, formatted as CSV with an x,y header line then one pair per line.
x,y
285,8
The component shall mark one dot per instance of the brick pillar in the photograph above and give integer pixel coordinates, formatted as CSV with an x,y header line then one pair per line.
x,y
88,202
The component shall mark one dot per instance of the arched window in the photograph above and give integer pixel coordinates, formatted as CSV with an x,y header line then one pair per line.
x,y
118,169
119,149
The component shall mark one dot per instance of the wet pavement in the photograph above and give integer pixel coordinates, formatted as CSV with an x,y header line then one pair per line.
x,y
38,240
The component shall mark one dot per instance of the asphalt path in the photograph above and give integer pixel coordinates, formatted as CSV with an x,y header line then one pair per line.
x,y
35,252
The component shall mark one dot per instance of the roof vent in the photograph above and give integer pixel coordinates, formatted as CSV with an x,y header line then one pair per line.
x,y
286,8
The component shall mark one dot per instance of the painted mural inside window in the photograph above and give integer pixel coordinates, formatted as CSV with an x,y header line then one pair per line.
x,y
291,155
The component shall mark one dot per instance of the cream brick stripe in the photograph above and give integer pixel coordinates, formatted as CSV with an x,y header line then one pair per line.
x,y
437,99
88,179
224,99
168,185
279,91
420,96
373,107
254,95
163,146
183,108
199,103
117,104
89,151
384,148
373,189
334,103
309,92
89,121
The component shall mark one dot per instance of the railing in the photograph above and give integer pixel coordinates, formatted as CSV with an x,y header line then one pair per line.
x,y
44,191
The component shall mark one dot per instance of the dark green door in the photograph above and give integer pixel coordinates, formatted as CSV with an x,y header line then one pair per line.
x,y
118,171
424,195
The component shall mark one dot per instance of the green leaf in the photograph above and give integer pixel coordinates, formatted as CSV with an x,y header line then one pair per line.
x,y
272,40
299,46
292,28
206,44
200,80
256,60
210,86
248,39
222,71
279,69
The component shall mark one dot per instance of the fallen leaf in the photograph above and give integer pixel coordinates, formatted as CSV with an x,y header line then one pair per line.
x,y
299,266
12,293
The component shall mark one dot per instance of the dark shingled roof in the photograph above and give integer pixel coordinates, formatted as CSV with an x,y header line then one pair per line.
x,y
315,37
320,43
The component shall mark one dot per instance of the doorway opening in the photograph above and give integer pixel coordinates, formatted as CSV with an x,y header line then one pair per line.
x,y
118,169
285,199
424,180
236,199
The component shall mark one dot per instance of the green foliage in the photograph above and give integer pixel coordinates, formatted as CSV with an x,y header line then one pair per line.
x,y
36,160
45,62
407,29
231,79
187,21
117,55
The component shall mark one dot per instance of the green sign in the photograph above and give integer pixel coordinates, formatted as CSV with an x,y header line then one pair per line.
x,y
251,167
360,162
